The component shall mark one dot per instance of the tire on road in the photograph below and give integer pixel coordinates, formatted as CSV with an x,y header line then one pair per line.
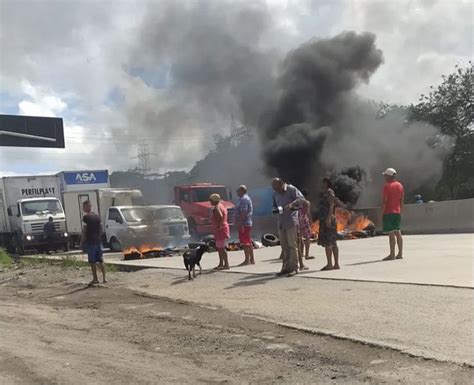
x,y
269,239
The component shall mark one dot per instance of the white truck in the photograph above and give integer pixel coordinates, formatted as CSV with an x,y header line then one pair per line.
x,y
26,204
125,224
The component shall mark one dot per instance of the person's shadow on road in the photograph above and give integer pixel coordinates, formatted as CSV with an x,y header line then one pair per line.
x,y
253,280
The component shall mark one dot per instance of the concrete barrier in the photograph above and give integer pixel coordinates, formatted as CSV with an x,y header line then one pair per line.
x,y
455,216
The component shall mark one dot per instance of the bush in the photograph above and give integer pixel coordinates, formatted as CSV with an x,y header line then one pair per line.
x,y
5,258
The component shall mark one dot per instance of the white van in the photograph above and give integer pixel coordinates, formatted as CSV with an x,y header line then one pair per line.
x,y
171,224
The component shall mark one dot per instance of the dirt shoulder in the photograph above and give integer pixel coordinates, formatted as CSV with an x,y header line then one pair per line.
x,y
55,330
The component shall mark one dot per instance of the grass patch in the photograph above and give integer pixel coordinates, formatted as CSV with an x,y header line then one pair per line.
x,y
111,268
71,262
64,262
5,258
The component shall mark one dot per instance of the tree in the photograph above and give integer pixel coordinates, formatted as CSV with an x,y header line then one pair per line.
x,y
450,107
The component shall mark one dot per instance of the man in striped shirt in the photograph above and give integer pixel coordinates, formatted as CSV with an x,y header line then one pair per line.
x,y
243,219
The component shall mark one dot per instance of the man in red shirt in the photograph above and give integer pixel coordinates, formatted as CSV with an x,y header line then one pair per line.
x,y
393,197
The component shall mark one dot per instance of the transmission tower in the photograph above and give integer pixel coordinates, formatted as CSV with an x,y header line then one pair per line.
x,y
238,132
143,157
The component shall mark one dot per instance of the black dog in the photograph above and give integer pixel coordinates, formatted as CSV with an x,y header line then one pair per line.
x,y
193,257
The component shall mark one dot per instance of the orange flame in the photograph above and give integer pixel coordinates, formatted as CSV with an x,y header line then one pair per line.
x,y
142,249
346,220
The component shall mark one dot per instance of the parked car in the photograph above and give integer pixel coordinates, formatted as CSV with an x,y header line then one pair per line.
x,y
129,226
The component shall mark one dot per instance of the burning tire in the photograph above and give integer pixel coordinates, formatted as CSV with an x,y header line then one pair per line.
x,y
270,240
210,240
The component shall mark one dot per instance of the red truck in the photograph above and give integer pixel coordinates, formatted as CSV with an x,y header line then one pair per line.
x,y
194,201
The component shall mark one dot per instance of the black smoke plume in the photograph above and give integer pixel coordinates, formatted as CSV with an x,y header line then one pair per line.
x,y
215,63
347,184
315,90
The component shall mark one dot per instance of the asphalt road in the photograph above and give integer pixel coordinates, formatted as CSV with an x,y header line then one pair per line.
x,y
428,311
444,259
54,329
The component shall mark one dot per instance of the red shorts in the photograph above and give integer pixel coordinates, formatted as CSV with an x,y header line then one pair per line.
x,y
245,235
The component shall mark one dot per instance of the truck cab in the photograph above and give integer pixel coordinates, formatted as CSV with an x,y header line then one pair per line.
x,y
28,218
194,201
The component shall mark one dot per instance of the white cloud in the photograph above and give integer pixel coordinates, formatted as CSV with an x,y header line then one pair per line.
x,y
66,58
40,103
421,41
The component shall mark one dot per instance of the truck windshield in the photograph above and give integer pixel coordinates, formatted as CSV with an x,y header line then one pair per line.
x,y
168,213
202,194
41,207
137,214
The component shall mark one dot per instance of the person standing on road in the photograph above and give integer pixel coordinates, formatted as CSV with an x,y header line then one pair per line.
x,y
392,207
328,225
49,231
287,199
221,230
304,233
91,240
243,219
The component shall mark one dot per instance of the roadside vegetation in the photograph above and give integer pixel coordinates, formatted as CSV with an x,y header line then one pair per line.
x,y
6,261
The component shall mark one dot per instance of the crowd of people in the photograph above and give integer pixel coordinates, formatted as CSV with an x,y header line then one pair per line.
x,y
293,210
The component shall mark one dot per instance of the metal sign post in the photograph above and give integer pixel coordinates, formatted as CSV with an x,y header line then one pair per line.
x,y
31,131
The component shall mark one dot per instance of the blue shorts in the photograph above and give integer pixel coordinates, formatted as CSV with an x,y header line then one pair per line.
x,y
94,253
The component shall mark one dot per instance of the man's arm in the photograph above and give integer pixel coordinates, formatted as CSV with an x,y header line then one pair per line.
x,y
219,215
332,202
402,201
384,201
298,199
83,234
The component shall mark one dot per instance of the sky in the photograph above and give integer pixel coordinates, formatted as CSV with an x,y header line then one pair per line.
x,y
105,68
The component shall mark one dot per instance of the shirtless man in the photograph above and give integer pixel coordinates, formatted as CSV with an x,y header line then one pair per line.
x,y
91,241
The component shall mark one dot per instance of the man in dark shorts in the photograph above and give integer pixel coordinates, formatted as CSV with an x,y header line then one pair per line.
x,y
91,241
393,197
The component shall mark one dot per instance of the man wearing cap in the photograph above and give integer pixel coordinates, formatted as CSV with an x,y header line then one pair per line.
x,y
393,197
243,219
